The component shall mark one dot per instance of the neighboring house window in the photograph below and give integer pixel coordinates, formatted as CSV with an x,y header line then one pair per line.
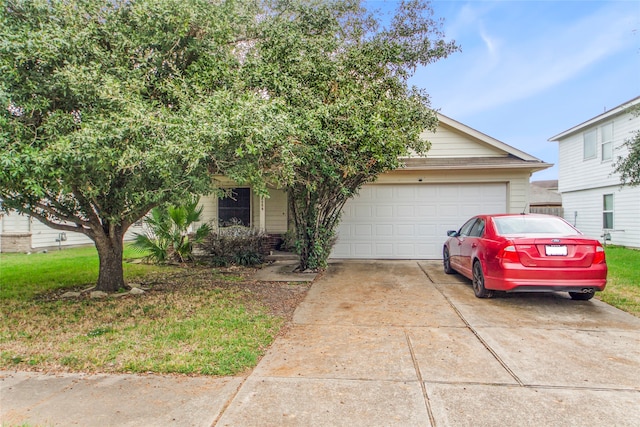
x,y
607,211
236,208
590,144
606,133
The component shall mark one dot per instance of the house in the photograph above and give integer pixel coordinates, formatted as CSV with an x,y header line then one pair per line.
x,y
593,198
545,199
407,212
21,233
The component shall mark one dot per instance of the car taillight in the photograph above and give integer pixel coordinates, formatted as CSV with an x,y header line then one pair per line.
x,y
509,254
599,256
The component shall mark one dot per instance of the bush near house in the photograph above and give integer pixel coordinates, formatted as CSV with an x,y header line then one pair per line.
x,y
236,245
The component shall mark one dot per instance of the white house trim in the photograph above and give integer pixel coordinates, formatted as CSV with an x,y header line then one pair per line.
x,y
607,115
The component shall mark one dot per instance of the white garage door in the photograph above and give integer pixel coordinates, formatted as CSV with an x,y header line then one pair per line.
x,y
410,221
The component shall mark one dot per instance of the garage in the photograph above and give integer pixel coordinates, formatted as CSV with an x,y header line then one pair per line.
x,y
410,221
406,213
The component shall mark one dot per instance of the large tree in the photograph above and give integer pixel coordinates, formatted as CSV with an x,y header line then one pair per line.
x,y
343,76
112,107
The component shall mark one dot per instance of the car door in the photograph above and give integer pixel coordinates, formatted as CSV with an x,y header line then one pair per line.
x,y
471,245
455,249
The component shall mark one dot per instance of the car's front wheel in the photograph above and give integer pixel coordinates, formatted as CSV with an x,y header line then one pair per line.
x,y
581,296
446,261
478,282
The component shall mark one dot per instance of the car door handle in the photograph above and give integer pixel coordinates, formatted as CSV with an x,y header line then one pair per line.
x,y
475,245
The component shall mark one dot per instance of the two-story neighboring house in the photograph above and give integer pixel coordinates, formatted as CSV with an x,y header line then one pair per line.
x,y
592,195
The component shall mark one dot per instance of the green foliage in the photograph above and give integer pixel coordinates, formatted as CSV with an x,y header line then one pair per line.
x,y
629,167
289,241
110,108
168,237
237,245
344,77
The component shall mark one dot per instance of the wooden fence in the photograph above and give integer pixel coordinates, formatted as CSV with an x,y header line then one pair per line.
x,y
557,211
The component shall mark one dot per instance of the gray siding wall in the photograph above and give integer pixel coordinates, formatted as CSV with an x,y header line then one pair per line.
x,y
583,183
584,209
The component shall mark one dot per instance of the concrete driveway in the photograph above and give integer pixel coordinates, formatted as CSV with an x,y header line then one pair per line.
x,y
386,343
400,343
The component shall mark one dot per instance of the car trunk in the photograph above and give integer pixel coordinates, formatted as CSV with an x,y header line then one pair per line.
x,y
555,252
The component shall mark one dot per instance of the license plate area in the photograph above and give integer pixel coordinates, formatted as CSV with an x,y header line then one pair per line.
x,y
555,250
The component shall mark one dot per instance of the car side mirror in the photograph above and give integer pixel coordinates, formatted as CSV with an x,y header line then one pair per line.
x,y
452,233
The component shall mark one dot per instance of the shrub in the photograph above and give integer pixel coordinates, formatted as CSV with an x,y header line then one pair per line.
x,y
168,238
289,242
237,245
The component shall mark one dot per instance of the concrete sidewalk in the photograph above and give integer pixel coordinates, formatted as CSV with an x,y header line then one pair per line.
x,y
384,343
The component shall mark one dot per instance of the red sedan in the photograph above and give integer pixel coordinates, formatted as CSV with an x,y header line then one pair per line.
x,y
525,253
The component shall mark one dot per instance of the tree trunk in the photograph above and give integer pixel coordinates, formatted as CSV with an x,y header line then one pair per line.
x,y
111,275
316,219
315,248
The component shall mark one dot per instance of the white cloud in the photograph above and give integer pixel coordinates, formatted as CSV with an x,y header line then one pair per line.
x,y
490,43
502,62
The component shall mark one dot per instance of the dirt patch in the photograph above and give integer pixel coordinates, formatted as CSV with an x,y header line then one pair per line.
x,y
232,319
281,298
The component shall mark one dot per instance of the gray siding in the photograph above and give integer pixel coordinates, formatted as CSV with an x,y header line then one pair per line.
x,y
583,183
584,209
576,173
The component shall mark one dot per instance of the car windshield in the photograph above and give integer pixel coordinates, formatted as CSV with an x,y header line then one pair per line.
x,y
524,224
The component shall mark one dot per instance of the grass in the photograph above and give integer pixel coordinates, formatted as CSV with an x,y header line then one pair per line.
x,y
623,280
24,275
190,321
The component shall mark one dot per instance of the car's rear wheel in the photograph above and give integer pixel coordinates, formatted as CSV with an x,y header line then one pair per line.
x,y
581,296
446,261
478,282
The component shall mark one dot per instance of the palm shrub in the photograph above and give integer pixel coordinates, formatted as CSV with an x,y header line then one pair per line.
x,y
168,238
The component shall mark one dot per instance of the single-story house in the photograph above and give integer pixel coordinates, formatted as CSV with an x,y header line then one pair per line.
x,y
406,213
22,233
545,198
592,195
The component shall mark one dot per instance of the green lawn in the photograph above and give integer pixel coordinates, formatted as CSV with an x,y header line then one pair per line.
x,y
623,280
191,320
22,276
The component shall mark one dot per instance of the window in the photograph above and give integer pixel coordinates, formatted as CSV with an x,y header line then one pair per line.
x,y
606,133
607,211
466,228
478,229
236,208
590,144
526,224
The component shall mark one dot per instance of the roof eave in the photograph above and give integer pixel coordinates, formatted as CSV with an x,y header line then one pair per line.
x,y
486,138
620,109
533,167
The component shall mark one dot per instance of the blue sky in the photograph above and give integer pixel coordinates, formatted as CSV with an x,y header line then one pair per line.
x,y
529,70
